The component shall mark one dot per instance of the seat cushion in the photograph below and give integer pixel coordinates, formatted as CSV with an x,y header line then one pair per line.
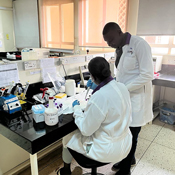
x,y
85,161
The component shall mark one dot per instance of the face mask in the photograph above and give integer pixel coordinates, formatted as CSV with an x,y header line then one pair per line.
x,y
92,79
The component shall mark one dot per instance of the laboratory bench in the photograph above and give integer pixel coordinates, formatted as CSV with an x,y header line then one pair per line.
x,y
166,77
21,131
19,128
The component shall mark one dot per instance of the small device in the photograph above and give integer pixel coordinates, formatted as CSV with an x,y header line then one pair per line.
x,y
38,116
157,62
87,92
51,113
10,104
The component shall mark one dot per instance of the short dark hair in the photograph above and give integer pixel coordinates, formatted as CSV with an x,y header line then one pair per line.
x,y
99,68
111,26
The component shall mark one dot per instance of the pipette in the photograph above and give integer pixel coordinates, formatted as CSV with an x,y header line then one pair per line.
x,y
87,92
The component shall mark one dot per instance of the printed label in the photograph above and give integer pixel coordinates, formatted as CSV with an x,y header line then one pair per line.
x,y
10,100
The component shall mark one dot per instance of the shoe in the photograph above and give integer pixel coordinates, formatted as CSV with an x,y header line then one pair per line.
x,y
62,172
117,166
122,173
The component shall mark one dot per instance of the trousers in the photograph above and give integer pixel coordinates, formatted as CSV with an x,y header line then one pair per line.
x,y
125,164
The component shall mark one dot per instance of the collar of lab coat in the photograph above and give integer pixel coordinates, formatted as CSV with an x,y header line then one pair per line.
x,y
106,81
128,38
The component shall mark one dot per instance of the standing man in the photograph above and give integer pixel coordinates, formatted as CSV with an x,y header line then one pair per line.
x,y
135,69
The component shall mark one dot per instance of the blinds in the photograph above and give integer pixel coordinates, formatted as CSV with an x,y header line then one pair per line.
x,y
156,17
57,24
94,14
26,23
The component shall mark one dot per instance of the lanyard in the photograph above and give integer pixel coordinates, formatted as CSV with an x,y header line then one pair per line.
x,y
106,81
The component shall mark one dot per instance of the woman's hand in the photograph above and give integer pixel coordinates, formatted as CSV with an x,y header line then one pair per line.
x,y
91,84
76,102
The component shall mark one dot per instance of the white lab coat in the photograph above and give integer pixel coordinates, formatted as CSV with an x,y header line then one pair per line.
x,y
103,129
135,70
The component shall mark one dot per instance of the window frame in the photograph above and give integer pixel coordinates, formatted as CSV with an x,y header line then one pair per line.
x,y
103,44
44,30
169,46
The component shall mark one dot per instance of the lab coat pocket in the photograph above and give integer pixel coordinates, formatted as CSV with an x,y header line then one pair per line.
x,y
136,101
130,63
87,144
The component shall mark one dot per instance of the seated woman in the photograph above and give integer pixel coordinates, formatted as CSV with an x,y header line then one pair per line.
x,y
103,129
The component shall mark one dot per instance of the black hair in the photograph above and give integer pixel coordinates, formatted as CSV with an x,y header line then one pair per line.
x,y
99,68
111,26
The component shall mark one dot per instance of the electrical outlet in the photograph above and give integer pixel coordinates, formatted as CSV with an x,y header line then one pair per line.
x,y
30,65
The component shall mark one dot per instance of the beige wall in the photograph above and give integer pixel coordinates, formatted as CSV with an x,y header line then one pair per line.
x,y
5,3
9,152
7,27
132,16
11,155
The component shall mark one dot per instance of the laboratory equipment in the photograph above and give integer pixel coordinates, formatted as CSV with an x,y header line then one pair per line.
x,y
78,90
51,113
70,87
38,116
34,53
87,92
10,88
157,62
23,95
2,90
10,104
167,113
20,91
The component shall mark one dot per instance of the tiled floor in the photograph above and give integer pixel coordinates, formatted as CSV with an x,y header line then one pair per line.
x,y
155,154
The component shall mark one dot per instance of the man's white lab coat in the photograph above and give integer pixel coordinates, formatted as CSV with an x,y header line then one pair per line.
x,y
135,70
103,129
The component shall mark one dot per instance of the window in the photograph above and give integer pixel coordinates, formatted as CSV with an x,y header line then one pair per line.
x,y
161,45
57,24
94,14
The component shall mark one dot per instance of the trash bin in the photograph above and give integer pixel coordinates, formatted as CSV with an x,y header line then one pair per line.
x,y
167,113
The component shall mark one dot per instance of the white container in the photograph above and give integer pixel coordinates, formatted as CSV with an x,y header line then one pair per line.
x,y
28,54
34,53
42,52
51,113
70,87
38,113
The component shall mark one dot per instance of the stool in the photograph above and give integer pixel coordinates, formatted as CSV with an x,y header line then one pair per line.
x,y
86,162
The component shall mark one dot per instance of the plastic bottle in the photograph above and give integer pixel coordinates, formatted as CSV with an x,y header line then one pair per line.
x,y
51,113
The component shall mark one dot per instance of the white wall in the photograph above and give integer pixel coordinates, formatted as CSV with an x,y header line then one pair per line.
x,y
6,27
33,78
9,152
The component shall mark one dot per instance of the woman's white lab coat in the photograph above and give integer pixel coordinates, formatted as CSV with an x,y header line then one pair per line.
x,y
103,129
135,70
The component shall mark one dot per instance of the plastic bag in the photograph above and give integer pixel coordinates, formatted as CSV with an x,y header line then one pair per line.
x,y
58,83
